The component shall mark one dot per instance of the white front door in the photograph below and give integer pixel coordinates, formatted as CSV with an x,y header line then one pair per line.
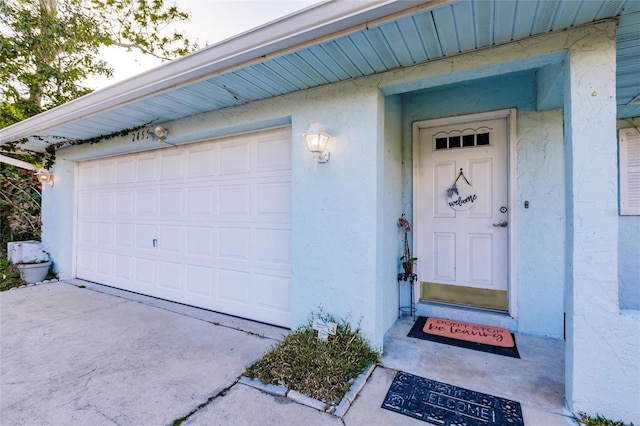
x,y
462,211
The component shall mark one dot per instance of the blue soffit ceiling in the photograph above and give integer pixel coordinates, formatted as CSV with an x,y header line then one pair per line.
x,y
450,29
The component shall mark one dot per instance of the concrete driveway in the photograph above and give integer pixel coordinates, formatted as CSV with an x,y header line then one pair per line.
x,y
74,355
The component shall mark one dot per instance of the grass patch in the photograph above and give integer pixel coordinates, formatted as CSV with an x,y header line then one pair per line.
x,y
9,274
321,370
599,421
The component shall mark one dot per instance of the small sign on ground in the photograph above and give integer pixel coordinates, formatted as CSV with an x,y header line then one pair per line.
x,y
324,328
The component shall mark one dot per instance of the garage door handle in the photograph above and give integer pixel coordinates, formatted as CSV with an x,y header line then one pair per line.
x,y
155,242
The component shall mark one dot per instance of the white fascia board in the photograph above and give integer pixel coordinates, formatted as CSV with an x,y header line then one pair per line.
x,y
17,163
309,26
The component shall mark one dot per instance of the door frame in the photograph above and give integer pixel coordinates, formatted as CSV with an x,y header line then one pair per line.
x,y
510,116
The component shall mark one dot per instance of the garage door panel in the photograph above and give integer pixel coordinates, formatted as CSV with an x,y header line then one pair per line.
x,y
170,275
125,170
125,206
199,241
201,161
87,173
123,268
106,173
273,155
234,243
272,292
199,280
86,263
105,203
273,246
124,235
87,205
170,238
87,233
171,164
274,199
105,264
105,234
145,236
145,272
200,201
146,203
147,168
233,286
207,224
234,200
170,202
234,158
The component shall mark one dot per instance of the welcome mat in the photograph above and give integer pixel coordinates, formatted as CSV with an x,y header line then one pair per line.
x,y
447,405
494,340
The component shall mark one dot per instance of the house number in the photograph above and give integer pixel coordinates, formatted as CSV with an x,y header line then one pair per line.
x,y
140,135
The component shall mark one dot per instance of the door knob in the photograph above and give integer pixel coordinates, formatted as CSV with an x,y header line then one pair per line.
x,y
502,223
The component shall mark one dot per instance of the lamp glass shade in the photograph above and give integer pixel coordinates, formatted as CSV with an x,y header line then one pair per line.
x,y
44,176
316,138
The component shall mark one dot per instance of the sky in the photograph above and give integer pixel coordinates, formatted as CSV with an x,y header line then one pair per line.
x,y
211,21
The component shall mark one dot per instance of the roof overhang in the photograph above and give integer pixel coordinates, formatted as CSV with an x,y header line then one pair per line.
x,y
316,23
331,42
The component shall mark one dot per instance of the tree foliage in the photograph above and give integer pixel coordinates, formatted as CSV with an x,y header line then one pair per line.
x,y
20,195
49,47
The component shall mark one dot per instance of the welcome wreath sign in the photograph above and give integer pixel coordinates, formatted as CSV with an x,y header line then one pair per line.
x,y
461,195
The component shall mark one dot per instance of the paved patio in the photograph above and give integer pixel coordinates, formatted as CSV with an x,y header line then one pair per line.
x,y
95,355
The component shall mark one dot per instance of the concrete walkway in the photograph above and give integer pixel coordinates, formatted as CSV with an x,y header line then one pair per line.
x,y
80,353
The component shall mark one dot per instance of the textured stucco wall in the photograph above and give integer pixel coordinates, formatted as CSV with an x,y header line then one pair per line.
x,y
541,236
336,207
57,218
602,363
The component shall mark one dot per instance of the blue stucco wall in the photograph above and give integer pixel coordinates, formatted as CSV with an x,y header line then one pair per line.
x,y
540,180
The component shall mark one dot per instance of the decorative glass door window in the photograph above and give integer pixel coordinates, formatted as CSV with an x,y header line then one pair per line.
x,y
480,138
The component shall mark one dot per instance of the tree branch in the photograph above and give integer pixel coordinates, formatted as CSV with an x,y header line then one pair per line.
x,y
140,48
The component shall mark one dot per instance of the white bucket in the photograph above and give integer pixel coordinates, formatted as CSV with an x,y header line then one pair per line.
x,y
33,272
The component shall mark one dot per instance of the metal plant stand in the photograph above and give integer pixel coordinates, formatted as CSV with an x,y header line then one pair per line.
x,y
411,310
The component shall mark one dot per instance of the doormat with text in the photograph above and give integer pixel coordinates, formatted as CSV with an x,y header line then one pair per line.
x,y
494,340
447,405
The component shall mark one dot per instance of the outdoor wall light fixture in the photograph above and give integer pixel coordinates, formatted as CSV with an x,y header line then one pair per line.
x,y
44,176
161,133
317,139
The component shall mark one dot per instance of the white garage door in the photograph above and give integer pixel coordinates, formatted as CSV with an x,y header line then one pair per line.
x,y
207,224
